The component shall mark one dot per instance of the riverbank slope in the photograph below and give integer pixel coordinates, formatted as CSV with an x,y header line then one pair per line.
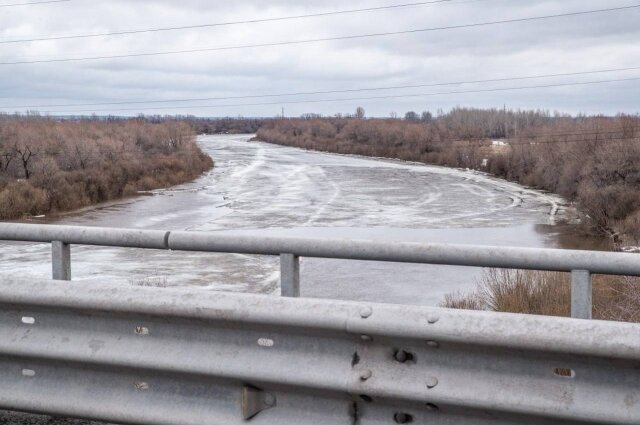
x,y
49,165
592,161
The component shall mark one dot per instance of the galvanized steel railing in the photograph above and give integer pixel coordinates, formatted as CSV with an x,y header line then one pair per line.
x,y
185,356
581,264
147,356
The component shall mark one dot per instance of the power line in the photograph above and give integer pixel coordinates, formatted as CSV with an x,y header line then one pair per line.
x,y
222,24
309,93
33,3
609,136
291,102
316,40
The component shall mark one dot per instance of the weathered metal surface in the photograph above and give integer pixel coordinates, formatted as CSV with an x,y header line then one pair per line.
x,y
614,263
581,294
289,275
60,260
166,356
255,400
84,235
410,252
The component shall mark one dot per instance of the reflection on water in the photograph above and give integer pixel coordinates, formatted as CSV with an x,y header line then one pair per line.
x,y
571,236
263,189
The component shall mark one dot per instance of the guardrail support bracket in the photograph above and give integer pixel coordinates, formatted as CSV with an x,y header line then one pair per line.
x,y
581,294
289,275
60,260
255,400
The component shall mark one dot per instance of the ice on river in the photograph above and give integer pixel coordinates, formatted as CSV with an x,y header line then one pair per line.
x,y
259,188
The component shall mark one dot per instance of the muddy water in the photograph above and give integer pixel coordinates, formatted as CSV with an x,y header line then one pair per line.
x,y
263,189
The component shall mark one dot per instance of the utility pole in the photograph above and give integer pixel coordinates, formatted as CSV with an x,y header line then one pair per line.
x,y
283,112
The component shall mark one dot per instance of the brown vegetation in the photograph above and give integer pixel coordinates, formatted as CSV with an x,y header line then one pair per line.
x,y
226,125
593,161
49,165
200,125
549,294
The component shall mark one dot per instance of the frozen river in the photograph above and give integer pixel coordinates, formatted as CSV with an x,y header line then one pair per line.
x,y
258,188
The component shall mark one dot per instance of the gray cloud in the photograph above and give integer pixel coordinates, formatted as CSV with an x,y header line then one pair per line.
x,y
572,44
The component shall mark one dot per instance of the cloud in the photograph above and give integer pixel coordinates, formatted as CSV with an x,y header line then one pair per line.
x,y
569,44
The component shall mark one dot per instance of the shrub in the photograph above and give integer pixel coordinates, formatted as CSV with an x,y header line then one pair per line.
x,y
20,198
48,165
549,294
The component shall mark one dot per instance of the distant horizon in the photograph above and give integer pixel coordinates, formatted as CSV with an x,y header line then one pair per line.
x,y
400,115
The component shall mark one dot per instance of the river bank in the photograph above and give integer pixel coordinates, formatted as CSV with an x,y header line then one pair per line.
x,y
591,161
51,166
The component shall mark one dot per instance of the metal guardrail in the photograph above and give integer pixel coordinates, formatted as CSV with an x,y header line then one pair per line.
x,y
185,356
581,264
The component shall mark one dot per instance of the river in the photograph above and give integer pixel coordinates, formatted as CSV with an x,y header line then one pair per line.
x,y
264,189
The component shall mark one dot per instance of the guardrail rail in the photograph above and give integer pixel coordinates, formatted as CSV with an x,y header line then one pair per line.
x,y
182,356
166,356
581,264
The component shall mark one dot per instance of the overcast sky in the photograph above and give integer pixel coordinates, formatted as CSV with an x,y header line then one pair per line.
x,y
562,45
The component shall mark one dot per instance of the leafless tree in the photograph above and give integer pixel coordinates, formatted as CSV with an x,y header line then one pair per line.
x,y
6,157
25,156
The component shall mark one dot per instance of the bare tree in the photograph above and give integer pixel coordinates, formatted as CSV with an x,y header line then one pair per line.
x,y
411,116
6,157
25,155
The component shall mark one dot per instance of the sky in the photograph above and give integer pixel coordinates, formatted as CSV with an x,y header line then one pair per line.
x,y
252,76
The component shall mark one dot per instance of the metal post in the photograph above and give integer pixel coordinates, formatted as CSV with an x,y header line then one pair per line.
x,y
61,260
581,294
289,275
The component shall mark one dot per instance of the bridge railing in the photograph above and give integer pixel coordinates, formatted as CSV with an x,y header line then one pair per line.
x,y
136,355
581,264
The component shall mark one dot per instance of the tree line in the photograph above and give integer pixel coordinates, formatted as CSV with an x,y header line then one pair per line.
x,y
50,165
591,160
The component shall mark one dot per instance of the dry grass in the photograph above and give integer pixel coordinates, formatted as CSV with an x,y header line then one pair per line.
x,y
549,293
